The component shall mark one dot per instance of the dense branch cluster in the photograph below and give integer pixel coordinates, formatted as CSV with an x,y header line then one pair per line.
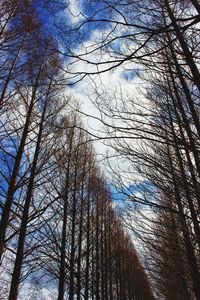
x,y
159,128
59,235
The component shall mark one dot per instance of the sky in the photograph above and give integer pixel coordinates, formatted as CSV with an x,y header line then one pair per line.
x,y
116,83
110,86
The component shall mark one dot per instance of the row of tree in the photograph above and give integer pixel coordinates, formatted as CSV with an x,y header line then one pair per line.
x,y
59,235
159,129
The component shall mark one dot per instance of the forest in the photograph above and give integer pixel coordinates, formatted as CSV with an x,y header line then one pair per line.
x,y
99,149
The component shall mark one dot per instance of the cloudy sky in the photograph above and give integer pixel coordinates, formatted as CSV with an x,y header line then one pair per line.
x,y
95,90
99,89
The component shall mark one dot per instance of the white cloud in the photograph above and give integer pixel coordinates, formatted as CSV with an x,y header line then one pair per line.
x,y
73,11
106,90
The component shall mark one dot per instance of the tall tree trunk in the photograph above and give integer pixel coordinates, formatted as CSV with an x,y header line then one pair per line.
x,y
14,288
188,55
88,242
189,248
62,270
80,239
73,238
12,184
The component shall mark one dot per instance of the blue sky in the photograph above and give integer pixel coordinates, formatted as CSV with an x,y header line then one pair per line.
x,y
68,16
